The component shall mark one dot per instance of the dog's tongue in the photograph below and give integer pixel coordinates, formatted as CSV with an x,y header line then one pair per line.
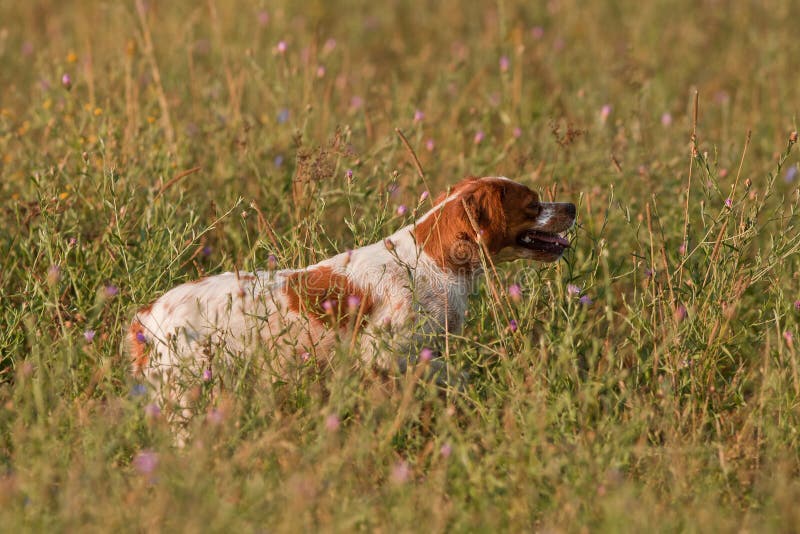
x,y
551,238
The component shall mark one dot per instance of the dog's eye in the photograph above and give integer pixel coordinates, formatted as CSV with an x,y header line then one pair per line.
x,y
533,209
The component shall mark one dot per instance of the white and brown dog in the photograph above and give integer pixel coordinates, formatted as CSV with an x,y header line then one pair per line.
x,y
384,301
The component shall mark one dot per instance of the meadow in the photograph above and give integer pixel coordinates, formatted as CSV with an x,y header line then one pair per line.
x,y
651,381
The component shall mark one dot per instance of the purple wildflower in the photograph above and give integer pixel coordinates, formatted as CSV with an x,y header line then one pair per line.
x,y
327,305
788,336
263,18
207,250
281,47
512,325
680,313
515,292
283,115
666,119
572,289
605,111
516,132
402,209
423,196
790,175
140,337
66,81
321,71
430,145
537,32
272,262
152,411
278,161
504,63
728,203
797,305
353,302
89,336
419,116
348,174
145,462
111,290
586,300
426,354
400,472
332,423
479,135
446,450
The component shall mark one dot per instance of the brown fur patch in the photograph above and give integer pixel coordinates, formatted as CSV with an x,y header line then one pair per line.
x,y
323,295
137,346
496,207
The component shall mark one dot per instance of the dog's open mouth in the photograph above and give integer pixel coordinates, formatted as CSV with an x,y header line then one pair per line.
x,y
543,241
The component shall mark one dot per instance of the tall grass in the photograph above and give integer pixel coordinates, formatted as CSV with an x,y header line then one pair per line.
x,y
653,379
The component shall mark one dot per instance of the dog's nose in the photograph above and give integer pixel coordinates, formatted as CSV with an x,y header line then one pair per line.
x,y
571,210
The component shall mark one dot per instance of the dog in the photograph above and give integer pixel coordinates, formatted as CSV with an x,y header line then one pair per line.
x,y
388,301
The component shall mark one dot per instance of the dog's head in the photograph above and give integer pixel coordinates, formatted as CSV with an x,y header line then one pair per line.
x,y
504,217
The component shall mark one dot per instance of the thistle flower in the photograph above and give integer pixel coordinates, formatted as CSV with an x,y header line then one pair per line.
x,y
327,305
145,462
402,209
400,472
512,325
479,135
504,63
353,303
272,262
283,115
426,354
516,132
66,81
537,32
788,336
207,376
666,119
446,450
152,411
680,313
423,196
263,18
111,290
790,175
332,423
140,337
348,174
419,116
89,336
281,47
207,250
321,71
278,161
572,289
797,305
605,111
389,244
515,292
430,145
586,300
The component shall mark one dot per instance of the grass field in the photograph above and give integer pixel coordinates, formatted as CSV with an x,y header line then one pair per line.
x,y
653,382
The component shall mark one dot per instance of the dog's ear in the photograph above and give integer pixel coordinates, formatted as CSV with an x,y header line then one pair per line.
x,y
484,209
